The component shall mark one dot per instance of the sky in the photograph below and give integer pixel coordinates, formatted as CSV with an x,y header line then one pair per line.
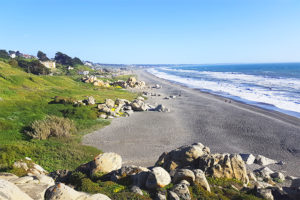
x,y
155,31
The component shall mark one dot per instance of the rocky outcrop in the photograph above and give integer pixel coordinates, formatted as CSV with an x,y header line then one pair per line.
x,y
224,166
63,192
182,157
29,167
9,190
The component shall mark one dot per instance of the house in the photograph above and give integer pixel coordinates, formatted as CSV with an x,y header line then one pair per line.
x,y
49,64
83,73
70,68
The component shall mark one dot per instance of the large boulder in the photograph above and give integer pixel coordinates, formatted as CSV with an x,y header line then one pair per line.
x,y
262,160
131,81
184,174
9,190
158,178
127,171
138,105
182,157
229,166
106,162
63,192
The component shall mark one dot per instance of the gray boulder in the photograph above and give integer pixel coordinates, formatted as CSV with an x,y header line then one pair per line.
x,y
184,174
201,179
248,158
9,190
106,163
158,178
262,160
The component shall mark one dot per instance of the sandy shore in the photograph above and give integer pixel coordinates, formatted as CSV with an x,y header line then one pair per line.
x,y
195,116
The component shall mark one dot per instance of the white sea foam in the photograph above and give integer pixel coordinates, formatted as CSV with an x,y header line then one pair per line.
x,y
242,78
280,99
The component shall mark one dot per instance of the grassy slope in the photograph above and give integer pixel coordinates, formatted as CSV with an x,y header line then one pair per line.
x,y
25,98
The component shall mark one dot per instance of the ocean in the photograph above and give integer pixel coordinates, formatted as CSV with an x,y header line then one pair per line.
x,y
269,86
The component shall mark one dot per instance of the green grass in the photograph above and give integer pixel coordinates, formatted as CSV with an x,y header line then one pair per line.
x,y
25,98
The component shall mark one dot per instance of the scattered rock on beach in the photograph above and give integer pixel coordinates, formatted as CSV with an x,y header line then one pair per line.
x,y
262,160
248,158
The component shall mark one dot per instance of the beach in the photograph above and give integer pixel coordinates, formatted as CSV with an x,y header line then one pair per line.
x,y
222,124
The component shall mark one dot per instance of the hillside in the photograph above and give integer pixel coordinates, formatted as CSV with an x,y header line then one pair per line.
x,y
26,97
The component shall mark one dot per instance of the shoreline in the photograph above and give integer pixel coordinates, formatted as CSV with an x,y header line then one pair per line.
x,y
270,112
197,116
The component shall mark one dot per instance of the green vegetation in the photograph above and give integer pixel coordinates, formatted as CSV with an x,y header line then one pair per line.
x,y
109,188
221,188
25,98
42,56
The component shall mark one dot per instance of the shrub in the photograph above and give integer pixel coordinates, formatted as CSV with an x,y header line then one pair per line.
x,y
82,112
34,67
52,126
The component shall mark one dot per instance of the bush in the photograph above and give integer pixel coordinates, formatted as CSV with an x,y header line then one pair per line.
x,y
34,67
52,126
82,112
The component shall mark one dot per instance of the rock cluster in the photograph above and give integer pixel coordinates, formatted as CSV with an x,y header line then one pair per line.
x,y
122,107
178,170
95,81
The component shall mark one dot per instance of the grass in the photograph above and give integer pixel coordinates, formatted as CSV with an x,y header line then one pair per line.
x,y
25,98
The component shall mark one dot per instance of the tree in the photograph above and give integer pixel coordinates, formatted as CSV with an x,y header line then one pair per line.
x,y
77,61
42,56
63,59
4,54
34,67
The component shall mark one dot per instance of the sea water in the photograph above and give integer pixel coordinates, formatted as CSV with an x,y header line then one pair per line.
x,y
270,86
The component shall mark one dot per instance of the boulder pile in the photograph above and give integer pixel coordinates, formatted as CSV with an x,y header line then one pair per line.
x,y
122,107
130,83
172,177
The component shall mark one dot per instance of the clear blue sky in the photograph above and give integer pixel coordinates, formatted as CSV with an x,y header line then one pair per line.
x,y
155,31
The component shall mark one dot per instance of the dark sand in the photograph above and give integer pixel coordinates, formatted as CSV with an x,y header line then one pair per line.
x,y
200,117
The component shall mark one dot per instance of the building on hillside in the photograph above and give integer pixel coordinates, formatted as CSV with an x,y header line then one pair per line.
x,y
70,68
13,55
27,56
49,64
83,73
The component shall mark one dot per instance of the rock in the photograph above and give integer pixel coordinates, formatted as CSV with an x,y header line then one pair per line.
x,y
182,191
63,192
127,108
129,112
264,172
36,187
252,176
122,102
109,103
173,196
137,190
158,178
173,97
182,157
103,116
248,158
140,98
262,160
60,175
184,174
201,179
140,178
22,180
126,171
161,108
119,83
106,163
265,193
34,169
131,81
278,176
185,182
91,101
260,184
7,176
138,105
10,191
156,86
229,166
160,196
